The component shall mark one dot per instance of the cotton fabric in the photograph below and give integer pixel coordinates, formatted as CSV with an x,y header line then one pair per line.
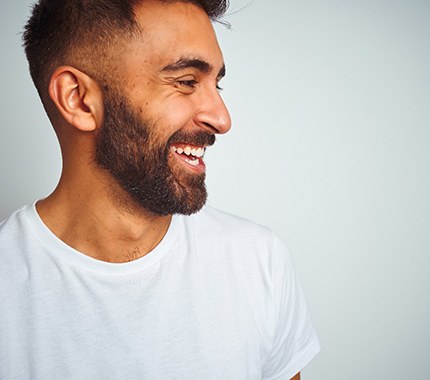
x,y
218,298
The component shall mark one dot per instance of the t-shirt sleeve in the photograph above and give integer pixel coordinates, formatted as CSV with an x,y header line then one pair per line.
x,y
295,342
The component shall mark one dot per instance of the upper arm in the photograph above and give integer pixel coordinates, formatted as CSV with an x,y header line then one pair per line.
x,y
294,341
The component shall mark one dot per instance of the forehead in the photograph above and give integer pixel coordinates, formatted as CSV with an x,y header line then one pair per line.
x,y
171,30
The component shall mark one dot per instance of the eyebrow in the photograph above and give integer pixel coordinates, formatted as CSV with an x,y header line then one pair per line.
x,y
193,63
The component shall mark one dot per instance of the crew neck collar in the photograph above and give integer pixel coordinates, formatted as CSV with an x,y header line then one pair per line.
x,y
63,252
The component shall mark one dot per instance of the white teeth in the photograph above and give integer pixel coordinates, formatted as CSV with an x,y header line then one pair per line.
x,y
200,152
195,152
192,162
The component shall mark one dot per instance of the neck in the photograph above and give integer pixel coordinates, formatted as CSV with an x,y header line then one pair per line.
x,y
104,224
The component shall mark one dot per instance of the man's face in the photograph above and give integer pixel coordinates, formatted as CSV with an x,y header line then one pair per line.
x,y
158,125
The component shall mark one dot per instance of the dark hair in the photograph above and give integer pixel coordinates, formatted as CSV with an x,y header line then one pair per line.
x,y
79,32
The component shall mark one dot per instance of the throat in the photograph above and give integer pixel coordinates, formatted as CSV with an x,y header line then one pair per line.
x,y
104,233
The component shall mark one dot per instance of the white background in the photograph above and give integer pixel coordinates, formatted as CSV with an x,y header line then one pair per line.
x,y
329,147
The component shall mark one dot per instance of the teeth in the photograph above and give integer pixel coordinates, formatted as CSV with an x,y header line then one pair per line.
x,y
195,152
192,162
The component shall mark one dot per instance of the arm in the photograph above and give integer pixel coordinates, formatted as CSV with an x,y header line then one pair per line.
x,y
294,340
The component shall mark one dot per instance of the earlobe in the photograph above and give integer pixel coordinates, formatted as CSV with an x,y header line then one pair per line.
x,y
77,97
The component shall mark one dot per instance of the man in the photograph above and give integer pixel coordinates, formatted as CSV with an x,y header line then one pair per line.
x,y
120,273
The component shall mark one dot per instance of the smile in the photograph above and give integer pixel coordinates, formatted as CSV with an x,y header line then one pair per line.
x,y
192,155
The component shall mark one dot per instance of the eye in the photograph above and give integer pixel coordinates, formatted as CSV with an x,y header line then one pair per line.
x,y
187,83
219,88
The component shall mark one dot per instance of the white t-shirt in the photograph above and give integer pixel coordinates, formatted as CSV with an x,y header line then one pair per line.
x,y
216,299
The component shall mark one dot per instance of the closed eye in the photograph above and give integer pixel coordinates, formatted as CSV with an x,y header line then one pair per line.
x,y
187,83
192,83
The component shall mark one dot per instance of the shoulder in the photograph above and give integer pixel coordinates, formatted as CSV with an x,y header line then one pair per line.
x,y
227,225
14,251
10,228
16,234
237,237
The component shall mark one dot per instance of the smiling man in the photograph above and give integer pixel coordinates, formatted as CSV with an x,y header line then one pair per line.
x,y
122,273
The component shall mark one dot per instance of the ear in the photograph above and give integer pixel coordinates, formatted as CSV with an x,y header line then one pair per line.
x,y
78,98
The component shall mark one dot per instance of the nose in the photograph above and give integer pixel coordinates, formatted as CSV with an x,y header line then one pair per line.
x,y
212,114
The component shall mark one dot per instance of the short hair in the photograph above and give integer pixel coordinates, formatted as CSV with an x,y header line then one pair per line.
x,y
79,32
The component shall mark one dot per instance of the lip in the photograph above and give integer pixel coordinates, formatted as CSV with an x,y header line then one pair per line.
x,y
184,160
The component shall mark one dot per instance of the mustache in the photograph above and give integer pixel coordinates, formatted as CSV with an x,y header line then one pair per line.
x,y
194,138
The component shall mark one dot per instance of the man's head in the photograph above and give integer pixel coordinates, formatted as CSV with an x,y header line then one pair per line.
x,y
140,78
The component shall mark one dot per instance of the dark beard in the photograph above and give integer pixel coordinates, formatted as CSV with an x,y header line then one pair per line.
x,y
128,149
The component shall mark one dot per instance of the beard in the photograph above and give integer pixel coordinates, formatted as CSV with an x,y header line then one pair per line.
x,y
128,146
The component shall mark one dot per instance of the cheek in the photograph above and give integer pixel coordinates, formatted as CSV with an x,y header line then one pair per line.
x,y
175,114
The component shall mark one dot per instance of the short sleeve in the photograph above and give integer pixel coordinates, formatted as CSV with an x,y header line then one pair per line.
x,y
295,342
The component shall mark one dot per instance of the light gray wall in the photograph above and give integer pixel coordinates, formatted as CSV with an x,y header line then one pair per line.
x,y
330,148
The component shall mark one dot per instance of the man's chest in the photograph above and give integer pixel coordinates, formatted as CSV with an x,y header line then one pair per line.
x,y
184,327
